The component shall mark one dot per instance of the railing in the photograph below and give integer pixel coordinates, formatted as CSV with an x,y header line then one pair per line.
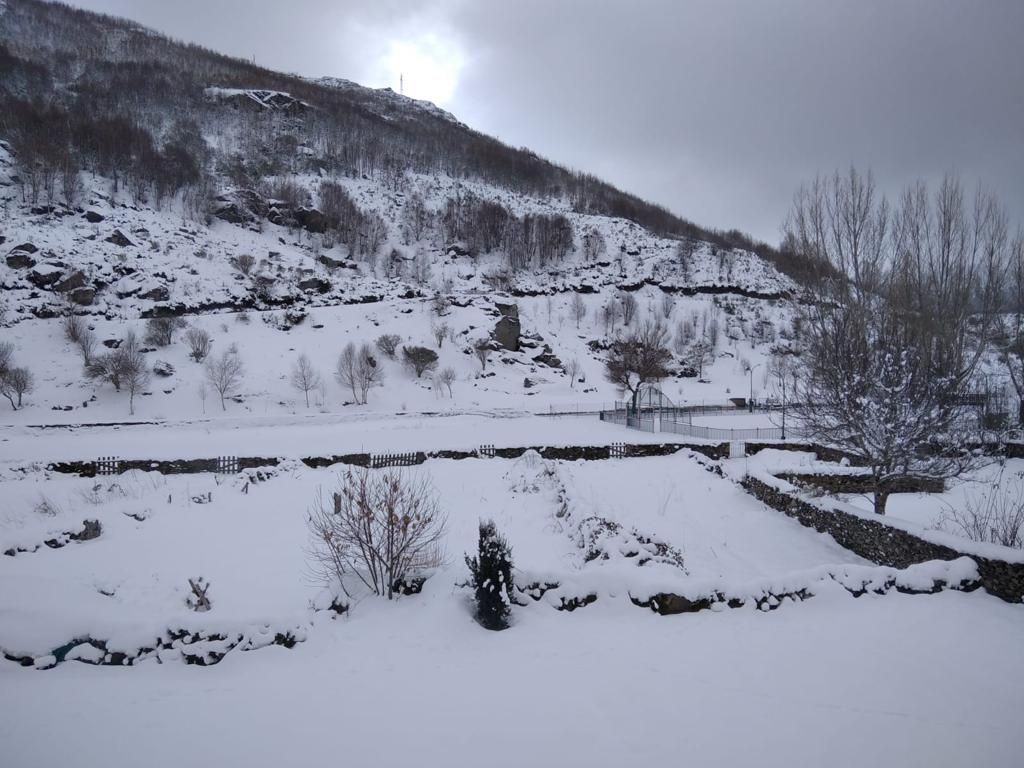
x,y
718,433
677,421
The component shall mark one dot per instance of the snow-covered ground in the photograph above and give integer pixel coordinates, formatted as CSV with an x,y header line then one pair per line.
x,y
837,681
833,680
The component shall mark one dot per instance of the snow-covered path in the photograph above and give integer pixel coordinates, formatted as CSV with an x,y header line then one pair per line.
x,y
298,436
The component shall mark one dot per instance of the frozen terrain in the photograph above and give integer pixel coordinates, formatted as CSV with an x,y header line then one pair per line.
x,y
831,680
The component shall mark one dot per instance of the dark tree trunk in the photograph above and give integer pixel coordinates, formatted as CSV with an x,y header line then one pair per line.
x,y
881,498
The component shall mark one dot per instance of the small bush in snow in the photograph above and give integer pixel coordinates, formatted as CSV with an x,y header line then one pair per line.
x,y
74,327
244,263
382,527
160,330
198,601
198,344
388,344
995,516
47,507
491,572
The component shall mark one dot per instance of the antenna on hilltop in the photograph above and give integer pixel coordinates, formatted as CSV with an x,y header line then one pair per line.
x,y
401,83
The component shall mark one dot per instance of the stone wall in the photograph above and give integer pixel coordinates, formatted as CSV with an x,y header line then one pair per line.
x,y
832,482
885,544
561,453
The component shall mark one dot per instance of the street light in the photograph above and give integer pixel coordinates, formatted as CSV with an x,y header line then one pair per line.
x,y
750,370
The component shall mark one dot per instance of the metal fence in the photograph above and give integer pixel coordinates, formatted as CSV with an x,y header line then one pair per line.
x,y
678,421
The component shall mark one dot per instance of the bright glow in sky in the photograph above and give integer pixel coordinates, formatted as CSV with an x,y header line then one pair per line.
x,y
430,67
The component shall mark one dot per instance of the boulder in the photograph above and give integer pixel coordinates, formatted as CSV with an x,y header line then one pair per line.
x,y
20,260
548,358
163,368
70,282
232,213
311,219
332,263
26,247
45,275
93,217
158,293
119,239
506,333
317,284
240,206
507,310
83,296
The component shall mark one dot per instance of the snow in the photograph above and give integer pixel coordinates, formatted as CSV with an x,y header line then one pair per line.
x,y
896,680
740,467
832,679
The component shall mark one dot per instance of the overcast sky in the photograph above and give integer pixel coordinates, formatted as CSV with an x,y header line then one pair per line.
x,y
717,110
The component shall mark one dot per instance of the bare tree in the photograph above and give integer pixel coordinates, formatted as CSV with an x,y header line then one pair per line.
x,y
446,378
388,344
572,369
784,371
134,371
14,383
1012,346
594,246
629,306
610,314
198,343
87,346
304,377
380,527
910,299
668,303
358,370
578,307
439,331
482,351
703,353
6,357
640,358
439,304
225,374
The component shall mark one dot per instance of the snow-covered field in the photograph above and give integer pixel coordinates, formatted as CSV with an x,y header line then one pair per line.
x,y
833,680
837,681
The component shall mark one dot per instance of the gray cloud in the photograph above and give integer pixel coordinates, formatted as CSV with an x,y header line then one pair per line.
x,y
716,110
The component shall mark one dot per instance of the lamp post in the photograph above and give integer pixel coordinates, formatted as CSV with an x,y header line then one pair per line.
x,y
750,370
